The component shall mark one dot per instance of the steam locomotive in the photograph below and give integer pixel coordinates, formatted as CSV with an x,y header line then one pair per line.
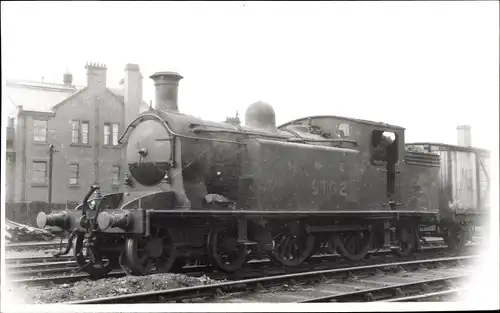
x,y
224,194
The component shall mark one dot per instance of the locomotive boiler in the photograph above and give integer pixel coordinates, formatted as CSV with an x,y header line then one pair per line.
x,y
221,193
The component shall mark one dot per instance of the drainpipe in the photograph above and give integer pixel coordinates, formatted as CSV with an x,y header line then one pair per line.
x,y
52,150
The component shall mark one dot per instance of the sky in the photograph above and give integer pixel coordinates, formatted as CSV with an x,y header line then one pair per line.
x,y
426,66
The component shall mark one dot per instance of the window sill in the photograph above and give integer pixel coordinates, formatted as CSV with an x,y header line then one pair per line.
x,y
74,185
40,143
39,185
112,147
80,145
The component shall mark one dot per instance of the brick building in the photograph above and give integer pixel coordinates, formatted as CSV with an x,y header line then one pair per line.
x,y
233,120
83,124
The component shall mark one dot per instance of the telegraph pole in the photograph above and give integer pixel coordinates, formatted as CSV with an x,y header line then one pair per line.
x,y
52,150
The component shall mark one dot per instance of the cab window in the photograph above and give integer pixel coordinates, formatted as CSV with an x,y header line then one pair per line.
x,y
384,146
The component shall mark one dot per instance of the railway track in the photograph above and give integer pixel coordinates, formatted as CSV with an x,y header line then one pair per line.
x,y
39,266
34,260
43,269
352,284
63,272
35,245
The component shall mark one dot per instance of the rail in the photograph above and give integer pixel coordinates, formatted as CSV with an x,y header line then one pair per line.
x,y
36,259
431,295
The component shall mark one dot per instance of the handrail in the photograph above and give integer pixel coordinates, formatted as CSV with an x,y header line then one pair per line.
x,y
155,116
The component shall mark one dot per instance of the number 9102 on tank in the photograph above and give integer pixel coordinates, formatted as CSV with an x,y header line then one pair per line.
x,y
222,193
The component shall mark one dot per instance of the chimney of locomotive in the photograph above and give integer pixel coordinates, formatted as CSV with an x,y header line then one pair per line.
x,y
167,86
464,135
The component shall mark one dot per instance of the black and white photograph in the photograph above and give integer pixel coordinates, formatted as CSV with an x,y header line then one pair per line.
x,y
246,156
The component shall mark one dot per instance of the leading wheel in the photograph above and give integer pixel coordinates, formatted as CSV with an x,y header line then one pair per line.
x,y
139,254
167,260
142,254
92,261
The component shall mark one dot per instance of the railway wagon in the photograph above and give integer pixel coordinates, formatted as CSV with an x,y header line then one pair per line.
x,y
464,183
201,190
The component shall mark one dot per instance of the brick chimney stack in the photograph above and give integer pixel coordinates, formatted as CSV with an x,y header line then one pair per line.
x,y
132,91
96,76
464,135
68,79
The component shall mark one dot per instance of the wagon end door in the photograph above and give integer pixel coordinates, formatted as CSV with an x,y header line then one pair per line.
x,y
483,181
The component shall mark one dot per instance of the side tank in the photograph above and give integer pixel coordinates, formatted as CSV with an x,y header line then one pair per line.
x,y
302,171
289,176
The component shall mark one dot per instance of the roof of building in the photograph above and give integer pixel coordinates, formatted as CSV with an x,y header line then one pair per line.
x,y
36,96
43,97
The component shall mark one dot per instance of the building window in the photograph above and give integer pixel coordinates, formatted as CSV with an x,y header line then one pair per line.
x,y
39,172
75,131
107,134
85,133
116,128
111,132
116,175
74,174
80,132
39,131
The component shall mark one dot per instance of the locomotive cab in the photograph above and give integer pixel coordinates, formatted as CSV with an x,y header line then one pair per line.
x,y
380,146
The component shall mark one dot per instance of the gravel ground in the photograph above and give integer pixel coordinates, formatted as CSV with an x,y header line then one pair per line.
x,y
105,287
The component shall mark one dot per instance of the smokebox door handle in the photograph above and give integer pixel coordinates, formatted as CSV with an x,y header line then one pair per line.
x,y
143,152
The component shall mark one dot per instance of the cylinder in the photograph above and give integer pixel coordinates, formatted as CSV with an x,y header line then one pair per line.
x,y
166,85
